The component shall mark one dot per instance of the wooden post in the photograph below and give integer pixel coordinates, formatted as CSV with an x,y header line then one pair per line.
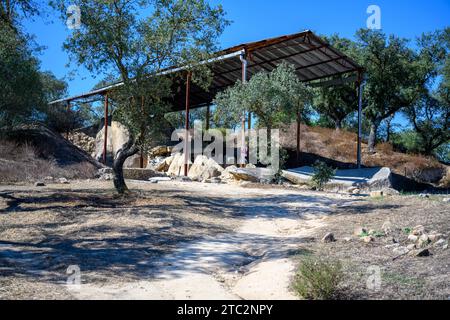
x,y
298,136
360,93
186,137
105,139
207,117
68,117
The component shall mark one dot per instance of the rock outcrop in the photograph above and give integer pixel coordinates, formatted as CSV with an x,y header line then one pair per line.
x,y
204,168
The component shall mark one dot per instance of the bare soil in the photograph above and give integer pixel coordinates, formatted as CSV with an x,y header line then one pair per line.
x,y
177,240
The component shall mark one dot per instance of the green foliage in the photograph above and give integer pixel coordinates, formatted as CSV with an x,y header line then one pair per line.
x,y
116,39
270,96
335,102
407,230
443,152
430,113
318,279
322,174
391,72
22,91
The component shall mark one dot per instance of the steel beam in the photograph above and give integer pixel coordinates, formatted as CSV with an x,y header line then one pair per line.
x,y
360,93
105,139
243,143
186,135
298,137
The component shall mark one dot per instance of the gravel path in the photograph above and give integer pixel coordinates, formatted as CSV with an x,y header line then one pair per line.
x,y
251,263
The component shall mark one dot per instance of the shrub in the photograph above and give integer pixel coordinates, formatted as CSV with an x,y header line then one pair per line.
x,y
318,279
322,174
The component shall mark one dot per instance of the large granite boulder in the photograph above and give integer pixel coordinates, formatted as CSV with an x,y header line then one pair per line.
x,y
204,168
364,179
259,175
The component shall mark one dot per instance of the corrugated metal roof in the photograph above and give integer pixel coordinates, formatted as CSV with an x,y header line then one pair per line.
x,y
313,58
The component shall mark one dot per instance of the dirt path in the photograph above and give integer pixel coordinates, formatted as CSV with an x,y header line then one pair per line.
x,y
251,263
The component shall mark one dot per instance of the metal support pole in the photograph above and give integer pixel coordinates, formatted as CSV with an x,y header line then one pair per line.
x,y
298,137
186,137
68,118
141,158
207,117
243,143
105,140
360,93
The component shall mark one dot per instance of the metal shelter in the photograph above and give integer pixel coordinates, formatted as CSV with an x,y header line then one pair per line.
x,y
315,61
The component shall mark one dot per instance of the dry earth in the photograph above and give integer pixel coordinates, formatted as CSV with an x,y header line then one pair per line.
x,y
176,240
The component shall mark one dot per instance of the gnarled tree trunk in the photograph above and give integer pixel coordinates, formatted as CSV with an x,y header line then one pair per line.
x,y
128,150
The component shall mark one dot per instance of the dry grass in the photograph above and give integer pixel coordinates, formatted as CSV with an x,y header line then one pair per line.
x,y
112,239
341,146
404,277
21,163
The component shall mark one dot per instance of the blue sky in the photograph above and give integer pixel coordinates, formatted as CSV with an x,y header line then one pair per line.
x,y
255,20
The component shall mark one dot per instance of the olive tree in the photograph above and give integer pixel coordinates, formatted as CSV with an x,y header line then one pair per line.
x,y
135,40
392,84
266,95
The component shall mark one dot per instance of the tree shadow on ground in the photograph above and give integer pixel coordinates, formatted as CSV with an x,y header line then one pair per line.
x,y
151,229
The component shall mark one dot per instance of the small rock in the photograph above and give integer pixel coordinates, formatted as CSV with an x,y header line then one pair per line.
x,y
329,237
435,236
387,227
413,238
400,251
418,230
445,246
356,191
48,178
376,194
446,200
424,195
348,239
352,189
440,242
372,231
368,239
411,246
63,181
390,192
392,246
39,184
422,253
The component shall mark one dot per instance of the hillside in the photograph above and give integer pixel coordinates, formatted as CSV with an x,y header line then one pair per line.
x,y
338,148
34,152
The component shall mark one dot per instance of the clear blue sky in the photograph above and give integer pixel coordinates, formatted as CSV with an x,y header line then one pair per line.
x,y
257,19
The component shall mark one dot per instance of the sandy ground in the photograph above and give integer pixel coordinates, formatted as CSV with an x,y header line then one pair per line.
x,y
239,260
175,240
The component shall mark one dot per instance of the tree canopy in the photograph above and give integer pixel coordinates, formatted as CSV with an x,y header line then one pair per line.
x,y
116,39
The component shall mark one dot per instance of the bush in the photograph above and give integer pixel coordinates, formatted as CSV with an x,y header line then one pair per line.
x,y
322,174
318,279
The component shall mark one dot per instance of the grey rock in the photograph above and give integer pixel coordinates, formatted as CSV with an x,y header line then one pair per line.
x,y
400,251
329,237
